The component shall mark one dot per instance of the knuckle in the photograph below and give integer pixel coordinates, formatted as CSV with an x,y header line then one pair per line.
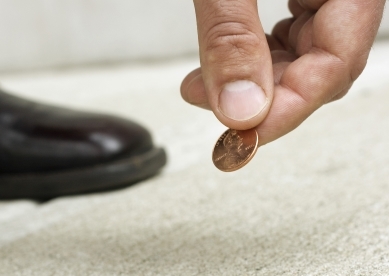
x,y
231,41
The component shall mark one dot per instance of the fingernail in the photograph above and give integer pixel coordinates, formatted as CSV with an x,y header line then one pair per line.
x,y
242,100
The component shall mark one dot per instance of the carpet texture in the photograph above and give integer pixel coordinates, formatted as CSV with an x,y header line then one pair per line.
x,y
315,202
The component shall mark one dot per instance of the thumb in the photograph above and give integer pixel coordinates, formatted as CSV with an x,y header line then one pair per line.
x,y
236,65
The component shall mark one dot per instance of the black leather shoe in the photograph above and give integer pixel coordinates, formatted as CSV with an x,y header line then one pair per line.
x,y
47,151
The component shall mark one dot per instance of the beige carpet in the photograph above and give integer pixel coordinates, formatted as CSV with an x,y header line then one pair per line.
x,y
315,202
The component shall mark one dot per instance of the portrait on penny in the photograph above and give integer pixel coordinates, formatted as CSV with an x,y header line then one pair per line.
x,y
234,149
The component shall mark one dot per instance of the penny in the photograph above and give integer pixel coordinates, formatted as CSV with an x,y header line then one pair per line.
x,y
234,149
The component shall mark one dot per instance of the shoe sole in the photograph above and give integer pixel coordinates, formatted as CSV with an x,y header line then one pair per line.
x,y
101,177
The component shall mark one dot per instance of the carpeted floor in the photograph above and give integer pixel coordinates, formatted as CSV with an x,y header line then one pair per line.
x,y
315,202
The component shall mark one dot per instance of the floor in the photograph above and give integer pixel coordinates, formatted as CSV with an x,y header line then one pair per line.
x,y
315,202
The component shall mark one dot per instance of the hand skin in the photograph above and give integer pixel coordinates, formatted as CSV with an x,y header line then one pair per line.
x,y
307,61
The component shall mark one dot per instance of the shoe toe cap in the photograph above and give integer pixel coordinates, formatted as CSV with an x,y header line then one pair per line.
x,y
118,137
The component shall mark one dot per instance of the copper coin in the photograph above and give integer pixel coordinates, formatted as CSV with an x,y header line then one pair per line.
x,y
234,149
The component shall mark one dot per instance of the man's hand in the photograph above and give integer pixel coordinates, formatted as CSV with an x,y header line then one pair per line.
x,y
274,82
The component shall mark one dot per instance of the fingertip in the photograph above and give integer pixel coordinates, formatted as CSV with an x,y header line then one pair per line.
x,y
188,79
195,93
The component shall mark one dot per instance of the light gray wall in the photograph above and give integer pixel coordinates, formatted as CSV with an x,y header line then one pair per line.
x,y
38,33
42,33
